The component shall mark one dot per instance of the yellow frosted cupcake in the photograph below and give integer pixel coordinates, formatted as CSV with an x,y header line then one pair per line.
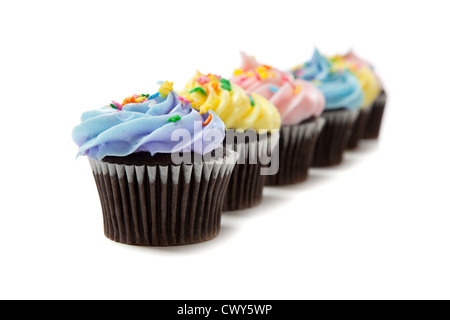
x,y
252,125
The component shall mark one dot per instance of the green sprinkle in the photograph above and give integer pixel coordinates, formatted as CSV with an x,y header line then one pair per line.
x,y
113,106
225,84
252,102
199,89
174,119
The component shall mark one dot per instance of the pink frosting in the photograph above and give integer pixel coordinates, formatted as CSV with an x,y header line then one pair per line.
x,y
351,56
296,100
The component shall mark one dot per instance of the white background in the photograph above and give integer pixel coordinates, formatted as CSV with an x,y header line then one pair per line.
x,y
376,227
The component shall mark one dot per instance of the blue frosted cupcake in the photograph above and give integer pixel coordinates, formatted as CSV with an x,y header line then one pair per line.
x,y
159,166
344,97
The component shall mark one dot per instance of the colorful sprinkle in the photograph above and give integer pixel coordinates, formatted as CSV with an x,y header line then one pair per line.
x,y
238,72
129,100
207,121
215,86
262,72
273,89
165,88
184,102
113,106
225,84
202,79
183,99
116,104
174,118
252,102
249,74
199,89
153,96
298,88
140,99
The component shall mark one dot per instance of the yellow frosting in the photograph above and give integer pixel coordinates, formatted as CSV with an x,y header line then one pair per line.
x,y
370,84
230,102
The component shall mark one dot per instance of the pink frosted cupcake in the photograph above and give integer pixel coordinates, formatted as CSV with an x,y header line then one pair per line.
x,y
300,104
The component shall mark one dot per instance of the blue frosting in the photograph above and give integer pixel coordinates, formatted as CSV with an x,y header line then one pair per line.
x,y
341,89
146,127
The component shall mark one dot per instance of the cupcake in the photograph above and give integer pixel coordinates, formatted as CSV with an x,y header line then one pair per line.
x,y
371,89
252,125
157,189
343,96
300,104
373,125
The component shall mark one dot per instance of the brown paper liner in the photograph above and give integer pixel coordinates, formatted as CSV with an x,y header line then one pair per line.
x,y
358,128
162,205
334,137
373,125
245,189
297,144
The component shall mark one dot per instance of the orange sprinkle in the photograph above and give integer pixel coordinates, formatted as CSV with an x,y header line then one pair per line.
x,y
215,86
129,100
207,121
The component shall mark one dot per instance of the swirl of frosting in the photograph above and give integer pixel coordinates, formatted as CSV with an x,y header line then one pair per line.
x,y
340,88
230,102
370,84
145,124
296,100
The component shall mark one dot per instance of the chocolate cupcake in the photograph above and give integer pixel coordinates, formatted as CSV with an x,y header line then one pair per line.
x,y
300,105
371,87
375,117
157,189
344,97
252,125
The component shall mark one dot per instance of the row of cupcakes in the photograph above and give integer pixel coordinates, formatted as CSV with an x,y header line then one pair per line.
x,y
167,164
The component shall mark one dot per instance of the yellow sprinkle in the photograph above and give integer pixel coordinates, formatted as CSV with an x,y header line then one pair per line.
x,y
272,74
195,105
238,72
249,74
298,89
165,88
139,100
262,72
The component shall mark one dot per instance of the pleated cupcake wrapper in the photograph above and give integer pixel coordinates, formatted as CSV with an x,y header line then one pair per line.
x,y
297,144
162,205
246,185
359,127
373,125
334,137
